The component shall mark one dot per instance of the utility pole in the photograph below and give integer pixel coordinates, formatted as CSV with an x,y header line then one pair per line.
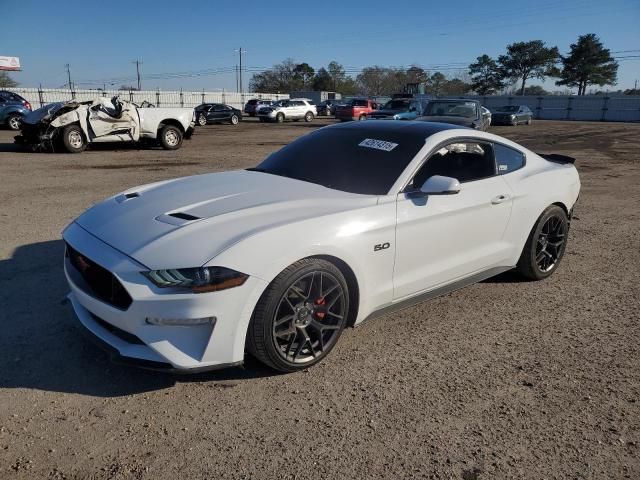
x,y
240,52
138,63
68,68
237,80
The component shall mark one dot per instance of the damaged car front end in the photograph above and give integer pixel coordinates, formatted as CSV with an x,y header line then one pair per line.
x,y
70,126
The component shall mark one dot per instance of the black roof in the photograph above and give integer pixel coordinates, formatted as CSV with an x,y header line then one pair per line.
x,y
418,130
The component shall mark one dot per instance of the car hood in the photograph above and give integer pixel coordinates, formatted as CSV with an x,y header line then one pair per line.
x,y
452,120
186,222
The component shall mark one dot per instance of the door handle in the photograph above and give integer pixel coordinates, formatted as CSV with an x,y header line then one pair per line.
x,y
499,199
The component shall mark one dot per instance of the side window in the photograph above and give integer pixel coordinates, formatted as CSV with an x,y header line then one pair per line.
x,y
465,161
508,159
218,108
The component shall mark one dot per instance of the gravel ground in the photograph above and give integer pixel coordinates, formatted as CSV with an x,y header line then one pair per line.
x,y
504,379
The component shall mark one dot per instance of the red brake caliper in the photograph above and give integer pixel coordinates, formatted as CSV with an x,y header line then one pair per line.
x,y
320,301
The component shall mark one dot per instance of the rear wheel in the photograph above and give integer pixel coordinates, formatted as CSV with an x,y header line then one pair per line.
x,y
300,316
170,137
13,121
280,118
202,119
73,139
529,121
308,117
234,119
546,244
362,117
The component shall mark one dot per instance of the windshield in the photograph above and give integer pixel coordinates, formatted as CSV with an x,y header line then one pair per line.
x,y
355,161
397,105
507,109
451,109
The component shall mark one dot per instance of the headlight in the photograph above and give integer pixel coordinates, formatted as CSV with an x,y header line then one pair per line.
x,y
396,117
198,280
512,117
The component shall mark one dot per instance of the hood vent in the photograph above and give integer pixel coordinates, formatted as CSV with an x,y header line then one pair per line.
x,y
184,216
126,196
177,218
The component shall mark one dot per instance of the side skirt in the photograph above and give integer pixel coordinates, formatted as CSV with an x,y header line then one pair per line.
x,y
436,292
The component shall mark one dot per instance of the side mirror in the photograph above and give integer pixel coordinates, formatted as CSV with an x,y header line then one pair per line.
x,y
439,185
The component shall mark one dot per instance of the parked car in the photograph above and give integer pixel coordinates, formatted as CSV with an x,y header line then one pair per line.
x,y
251,107
217,113
292,109
275,103
72,125
512,115
463,112
486,113
399,109
355,109
13,108
328,107
346,223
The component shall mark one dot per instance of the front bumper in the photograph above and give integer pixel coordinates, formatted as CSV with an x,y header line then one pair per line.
x,y
129,336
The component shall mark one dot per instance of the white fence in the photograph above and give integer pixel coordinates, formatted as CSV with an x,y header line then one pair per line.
x,y
556,107
160,98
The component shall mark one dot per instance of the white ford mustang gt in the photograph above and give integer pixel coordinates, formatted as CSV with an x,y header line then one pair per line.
x,y
344,224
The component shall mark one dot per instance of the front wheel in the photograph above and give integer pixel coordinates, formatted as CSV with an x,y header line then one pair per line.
x,y
202,119
546,245
362,117
300,316
170,137
529,121
308,117
73,139
280,118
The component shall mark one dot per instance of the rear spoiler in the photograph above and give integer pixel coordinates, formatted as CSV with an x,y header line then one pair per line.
x,y
556,158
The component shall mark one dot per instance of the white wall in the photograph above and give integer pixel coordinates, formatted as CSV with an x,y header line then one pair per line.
x,y
38,97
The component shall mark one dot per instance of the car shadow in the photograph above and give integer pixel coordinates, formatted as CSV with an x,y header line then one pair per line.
x,y
510,276
12,147
44,348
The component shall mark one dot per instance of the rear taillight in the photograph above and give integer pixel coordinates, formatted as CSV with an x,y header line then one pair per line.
x,y
27,105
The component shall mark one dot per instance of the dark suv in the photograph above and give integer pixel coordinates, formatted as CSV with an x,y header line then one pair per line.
x,y
12,108
252,106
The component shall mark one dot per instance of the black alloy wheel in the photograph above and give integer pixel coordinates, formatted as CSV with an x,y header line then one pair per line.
x,y
300,316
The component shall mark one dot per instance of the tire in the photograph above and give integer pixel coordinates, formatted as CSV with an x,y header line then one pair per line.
x,y
202,119
170,137
13,121
308,117
362,117
550,232
280,118
300,316
73,139
529,121
234,120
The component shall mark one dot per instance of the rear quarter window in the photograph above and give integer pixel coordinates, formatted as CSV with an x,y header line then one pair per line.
x,y
507,159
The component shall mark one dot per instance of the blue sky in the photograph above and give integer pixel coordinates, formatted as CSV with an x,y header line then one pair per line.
x,y
99,39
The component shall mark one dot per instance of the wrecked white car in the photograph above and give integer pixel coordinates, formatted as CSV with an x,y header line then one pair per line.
x,y
71,126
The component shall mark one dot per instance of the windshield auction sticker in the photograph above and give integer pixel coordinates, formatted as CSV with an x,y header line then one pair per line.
x,y
378,144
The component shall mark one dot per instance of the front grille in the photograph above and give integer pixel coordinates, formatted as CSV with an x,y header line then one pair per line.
x,y
98,281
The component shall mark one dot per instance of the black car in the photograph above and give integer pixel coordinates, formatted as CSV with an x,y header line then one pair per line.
x,y
512,115
217,113
467,113
328,107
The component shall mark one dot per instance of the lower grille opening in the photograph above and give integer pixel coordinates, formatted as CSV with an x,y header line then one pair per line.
x,y
118,332
98,281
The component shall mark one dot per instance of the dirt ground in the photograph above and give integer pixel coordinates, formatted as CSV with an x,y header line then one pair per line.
x,y
504,379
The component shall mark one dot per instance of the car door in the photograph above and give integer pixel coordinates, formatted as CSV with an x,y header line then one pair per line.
x,y
443,238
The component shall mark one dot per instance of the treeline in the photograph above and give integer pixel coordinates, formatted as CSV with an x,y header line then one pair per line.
x,y
587,64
